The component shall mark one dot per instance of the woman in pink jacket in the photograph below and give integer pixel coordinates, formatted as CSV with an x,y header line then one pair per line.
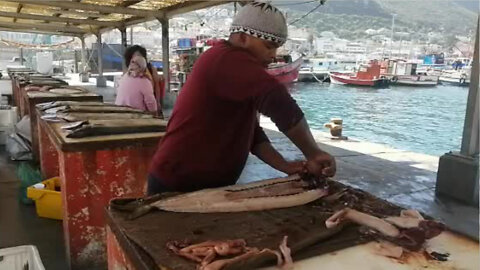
x,y
135,87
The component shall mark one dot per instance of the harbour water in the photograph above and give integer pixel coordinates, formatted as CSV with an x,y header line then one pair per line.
x,y
424,120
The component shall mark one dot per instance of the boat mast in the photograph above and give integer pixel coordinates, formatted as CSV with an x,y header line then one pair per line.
x,y
391,35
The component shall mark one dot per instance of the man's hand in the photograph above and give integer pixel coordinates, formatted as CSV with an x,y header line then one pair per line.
x,y
322,164
293,167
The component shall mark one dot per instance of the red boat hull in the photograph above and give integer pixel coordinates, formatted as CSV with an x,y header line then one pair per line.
x,y
287,73
340,78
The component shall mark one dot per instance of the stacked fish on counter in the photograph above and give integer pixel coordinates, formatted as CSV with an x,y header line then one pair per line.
x,y
85,119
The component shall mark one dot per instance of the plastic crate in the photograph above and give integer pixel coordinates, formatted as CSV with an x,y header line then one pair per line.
x,y
48,201
20,258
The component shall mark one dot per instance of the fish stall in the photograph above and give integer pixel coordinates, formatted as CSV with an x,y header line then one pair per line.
x,y
100,151
48,93
294,222
24,83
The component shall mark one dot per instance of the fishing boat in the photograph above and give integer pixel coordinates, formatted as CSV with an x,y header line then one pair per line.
x,y
285,71
404,73
367,75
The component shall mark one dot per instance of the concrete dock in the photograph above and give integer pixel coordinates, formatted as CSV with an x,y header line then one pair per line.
x,y
402,177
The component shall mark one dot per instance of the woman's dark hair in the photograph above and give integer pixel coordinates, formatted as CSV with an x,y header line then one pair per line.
x,y
131,50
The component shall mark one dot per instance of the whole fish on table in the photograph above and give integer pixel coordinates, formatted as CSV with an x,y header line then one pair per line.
x,y
83,129
73,117
53,104
106,109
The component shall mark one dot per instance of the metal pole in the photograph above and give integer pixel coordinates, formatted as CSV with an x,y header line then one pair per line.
x,y
131,35
84,58
83,67
101,81
123,32
21,56
470,138
165,53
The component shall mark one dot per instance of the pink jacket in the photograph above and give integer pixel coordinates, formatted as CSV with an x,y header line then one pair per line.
x,y
136,93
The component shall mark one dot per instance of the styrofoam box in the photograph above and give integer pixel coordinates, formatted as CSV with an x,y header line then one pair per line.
x,y
8,118
16,258
4,132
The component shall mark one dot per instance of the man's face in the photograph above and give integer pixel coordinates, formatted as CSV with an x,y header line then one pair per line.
x,y
265,51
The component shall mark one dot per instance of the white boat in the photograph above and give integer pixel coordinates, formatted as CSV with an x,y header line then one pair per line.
x,y
456,77
316,69
459,76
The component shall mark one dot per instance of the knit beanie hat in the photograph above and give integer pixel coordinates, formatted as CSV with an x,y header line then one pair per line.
x,y
261,20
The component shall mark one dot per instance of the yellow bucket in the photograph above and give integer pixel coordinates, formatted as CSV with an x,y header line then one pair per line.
x,y
48,201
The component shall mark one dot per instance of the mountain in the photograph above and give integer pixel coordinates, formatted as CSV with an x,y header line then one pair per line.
x,y
415,16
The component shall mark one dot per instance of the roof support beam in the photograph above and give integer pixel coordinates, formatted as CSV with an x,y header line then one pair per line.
x,y
58,19
26,27
44,32
91,7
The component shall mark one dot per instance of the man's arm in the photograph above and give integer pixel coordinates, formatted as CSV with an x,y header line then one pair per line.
x,y
272,157
290,120
319,162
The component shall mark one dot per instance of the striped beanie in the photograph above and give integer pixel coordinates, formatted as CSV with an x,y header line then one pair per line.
x,y
261,20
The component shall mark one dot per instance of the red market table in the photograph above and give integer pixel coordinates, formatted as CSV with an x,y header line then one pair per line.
x,y
92,171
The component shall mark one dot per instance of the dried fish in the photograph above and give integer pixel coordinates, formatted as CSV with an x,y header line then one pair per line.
x,y
111,127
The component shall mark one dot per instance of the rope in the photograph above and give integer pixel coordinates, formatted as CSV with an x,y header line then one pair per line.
x,y
308,13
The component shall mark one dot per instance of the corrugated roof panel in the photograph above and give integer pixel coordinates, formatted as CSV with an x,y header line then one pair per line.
x,y
3,19
156,4
103,2
39,10
74,13
115,17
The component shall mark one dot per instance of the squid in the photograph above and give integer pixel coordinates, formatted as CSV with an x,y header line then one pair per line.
x,y
410,230
206,252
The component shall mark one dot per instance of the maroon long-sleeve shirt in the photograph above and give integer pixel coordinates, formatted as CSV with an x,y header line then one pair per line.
x,y
214,122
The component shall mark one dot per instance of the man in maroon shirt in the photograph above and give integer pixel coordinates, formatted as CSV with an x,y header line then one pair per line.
x,y
214,123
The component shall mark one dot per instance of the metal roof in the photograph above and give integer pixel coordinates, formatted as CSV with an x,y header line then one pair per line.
x,y
83,17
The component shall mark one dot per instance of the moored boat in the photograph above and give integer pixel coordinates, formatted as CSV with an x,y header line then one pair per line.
x,y
286,72
401,72
459,76
367,75
414,80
